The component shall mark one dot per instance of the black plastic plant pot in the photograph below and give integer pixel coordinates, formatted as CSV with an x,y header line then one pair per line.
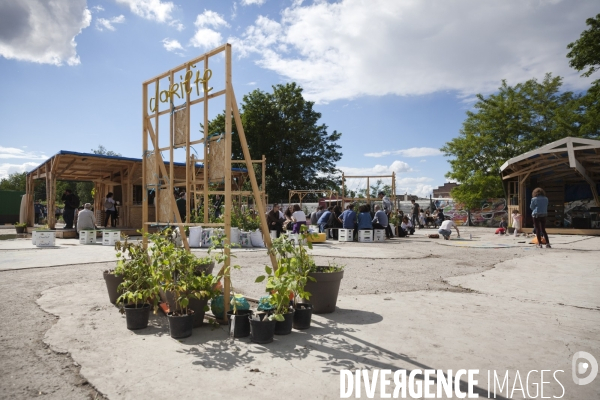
x,y
302,316
324,292
285,327
241,327
207,269
197,305
112,283
136,316
261,330
180,326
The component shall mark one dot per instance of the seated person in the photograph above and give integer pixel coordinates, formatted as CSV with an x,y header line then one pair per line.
x,y
299,218
380,221
502,228
324,219
440,216
364,218
86,220
406,227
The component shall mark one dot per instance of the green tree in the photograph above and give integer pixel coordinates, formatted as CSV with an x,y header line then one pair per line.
x,y
102,150
14,181
513,121
283,126
585,51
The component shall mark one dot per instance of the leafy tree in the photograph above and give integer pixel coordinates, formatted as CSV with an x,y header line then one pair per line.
x,y
14,181
102,150
283,126
585,51
513,121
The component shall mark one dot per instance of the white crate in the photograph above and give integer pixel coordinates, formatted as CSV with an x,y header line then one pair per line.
x,y
44,238
109,238
379,235
365,235
87,237
273,235
345,235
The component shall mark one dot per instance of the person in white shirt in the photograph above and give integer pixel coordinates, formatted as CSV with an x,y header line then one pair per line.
x,y
86,219
299,218
446,228
406,227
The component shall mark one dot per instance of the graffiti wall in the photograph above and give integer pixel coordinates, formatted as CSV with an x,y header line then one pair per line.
x,y
581,209
490,213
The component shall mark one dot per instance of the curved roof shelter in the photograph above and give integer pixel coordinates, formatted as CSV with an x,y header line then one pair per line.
x,y
568,170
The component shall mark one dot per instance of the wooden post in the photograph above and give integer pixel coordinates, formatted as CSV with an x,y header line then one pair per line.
x,y
205,160
228,203
368,192
144,155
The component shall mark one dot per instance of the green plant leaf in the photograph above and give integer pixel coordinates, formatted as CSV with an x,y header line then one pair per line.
x,y
260,279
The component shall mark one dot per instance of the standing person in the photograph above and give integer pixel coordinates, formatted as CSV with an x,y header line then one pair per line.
x,y
299,218
380,221
517,218
539,212
181,203
71,204
387,209
86,218
274,220
334,221
110,210
446,229
38,211
415,212
324,219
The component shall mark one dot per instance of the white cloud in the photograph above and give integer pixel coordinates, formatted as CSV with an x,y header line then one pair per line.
x,y
250,2
173,45
396,166
206,36
6,169
42,31
103,23
97,9
412,152
177,25
422,160
15,153
351,48
154,10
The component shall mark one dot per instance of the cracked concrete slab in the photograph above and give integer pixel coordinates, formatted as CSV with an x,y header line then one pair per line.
x,y
548,276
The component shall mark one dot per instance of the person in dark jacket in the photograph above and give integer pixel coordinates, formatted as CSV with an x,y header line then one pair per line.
x,y
274,220
70,201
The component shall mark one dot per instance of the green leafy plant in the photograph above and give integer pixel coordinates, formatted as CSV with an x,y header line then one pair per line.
x,y
293,266
20,225
330,268
218,253
174,270
139,282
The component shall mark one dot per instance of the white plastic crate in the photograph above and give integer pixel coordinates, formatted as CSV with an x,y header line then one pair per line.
x,y
109,238
87,237
365,235
345,235
44,238
273,235
379,235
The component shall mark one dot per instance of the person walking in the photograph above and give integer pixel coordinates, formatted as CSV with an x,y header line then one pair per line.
x,y
539,212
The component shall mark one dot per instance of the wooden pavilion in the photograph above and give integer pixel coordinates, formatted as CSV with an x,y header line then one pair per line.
x,y
120,175
569,172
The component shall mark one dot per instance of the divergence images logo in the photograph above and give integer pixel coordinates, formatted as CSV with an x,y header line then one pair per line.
x,y
580,367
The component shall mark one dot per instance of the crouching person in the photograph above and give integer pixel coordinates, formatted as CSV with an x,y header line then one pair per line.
x,y
446,228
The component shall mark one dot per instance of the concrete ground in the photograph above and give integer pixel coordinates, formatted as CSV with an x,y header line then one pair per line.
x,y
491,303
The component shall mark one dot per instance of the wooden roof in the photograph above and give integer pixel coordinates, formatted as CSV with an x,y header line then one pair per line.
x,y
73,166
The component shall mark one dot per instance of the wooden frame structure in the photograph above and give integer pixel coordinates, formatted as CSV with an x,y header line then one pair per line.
x,y
217,147
303,193
120,175
565,161
368,198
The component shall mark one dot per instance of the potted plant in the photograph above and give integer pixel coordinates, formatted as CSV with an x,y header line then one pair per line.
x,y
511,229
296,264
139,286
175,273
114,277
325,287
20,227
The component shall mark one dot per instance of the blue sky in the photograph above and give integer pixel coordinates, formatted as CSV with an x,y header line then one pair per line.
x,y
394,76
